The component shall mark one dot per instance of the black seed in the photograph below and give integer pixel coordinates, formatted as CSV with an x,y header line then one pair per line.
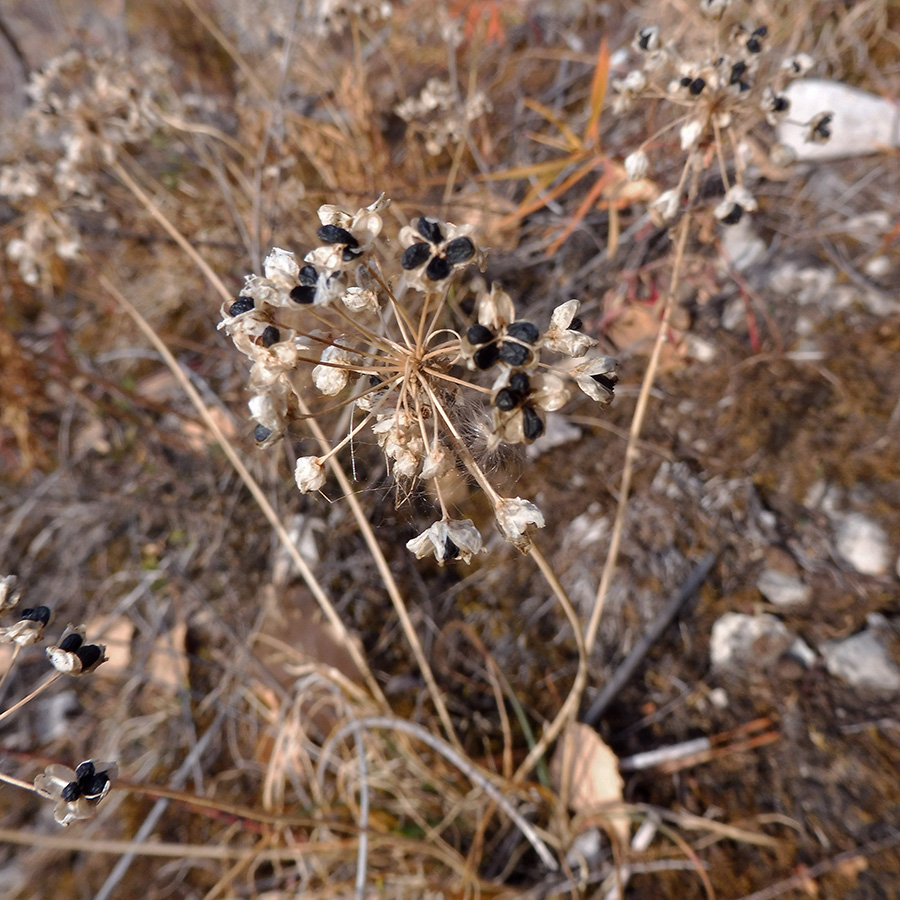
x,y
374,380
93,786
459,250
479,334
271,335
351,253
737,71
754,45
524,331
514,354
430,229
686,81
308,276
506,399
71,792
85,770
415,255
780,103
71,643
734,215
241,305
261,433
303,293
451,551
644,37
576,324
486,356
532,426
36,614
762,31
334,234
696,86
520,383
606,381
89,655
744,86
438,269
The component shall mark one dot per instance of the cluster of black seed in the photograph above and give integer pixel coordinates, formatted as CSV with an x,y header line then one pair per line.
x,y
437,258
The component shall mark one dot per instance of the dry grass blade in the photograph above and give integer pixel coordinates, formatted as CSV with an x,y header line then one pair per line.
x,y
452,756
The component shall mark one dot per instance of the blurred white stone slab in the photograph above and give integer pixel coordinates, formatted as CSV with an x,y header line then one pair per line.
x,y
863,122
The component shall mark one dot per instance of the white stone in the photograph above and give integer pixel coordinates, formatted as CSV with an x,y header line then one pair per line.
x,y
863,544
756,641
863,122
862,660
781,589
742,246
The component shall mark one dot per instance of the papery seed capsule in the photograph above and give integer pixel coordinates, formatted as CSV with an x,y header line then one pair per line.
x,y
36,614
334,234
459,250
430,230
271,335
241,305
514,354
415,255
524,331
438,269
261,433
532,426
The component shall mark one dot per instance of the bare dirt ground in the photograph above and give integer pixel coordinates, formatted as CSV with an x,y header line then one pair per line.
x,y
772,433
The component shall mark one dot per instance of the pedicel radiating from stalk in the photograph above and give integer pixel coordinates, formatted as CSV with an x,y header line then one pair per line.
x,y
353,326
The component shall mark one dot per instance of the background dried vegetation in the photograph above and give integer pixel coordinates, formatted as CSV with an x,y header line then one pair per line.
x,y
117,507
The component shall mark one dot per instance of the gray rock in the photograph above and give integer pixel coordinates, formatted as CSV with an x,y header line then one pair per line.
x,y
748,641
863,660
863,122
863,544
781,589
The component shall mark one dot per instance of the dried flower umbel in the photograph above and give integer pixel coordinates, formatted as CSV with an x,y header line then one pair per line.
x,y
334,329
718,84
77,793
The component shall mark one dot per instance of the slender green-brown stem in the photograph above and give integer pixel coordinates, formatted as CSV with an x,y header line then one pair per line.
x,y
631,450
256,491
9,668
38,690
389,581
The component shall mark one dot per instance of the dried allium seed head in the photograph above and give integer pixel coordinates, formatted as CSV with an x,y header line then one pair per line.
x,y
309,473
636,165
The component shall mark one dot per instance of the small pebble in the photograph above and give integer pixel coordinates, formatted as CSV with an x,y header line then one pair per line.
x,y
781,589
741,640
863,544
863,660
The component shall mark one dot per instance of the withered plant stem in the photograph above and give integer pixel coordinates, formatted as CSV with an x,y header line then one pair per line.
x,y
637,422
